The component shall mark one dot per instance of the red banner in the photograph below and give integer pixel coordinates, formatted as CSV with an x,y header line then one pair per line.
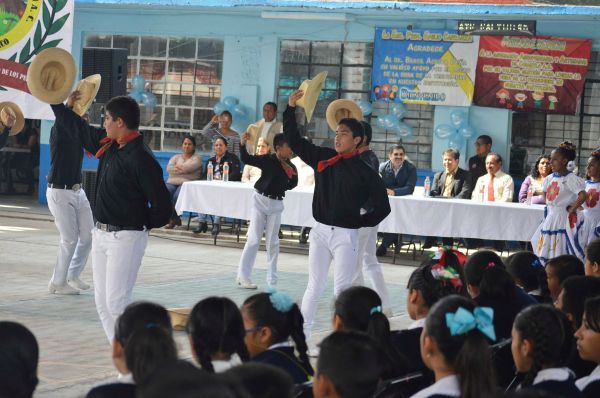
x,y
13,75
542,74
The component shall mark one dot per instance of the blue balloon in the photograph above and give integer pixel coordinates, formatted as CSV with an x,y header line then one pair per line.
x,y
137,96
458,118
230,102
391,121
456,141
444,131
219,108
403,130
467,131
138,83
239,112
149,99
380,122
366,107
399,110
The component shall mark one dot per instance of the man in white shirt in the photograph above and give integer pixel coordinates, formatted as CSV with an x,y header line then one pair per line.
x,y
267,127
495,186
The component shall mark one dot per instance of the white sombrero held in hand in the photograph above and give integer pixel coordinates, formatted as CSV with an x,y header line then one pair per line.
x,y
88,88
340,109
179,317
8,109
51,75
312,90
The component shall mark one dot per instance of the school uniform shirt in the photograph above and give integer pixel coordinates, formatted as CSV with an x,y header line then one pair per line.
x,y
504,188
221,366
446,387
590,385
407,341
557,381
578,365
284,358
113,390
342,188
131,191
273,181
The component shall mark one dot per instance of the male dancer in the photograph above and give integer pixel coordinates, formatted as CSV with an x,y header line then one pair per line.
x,y
131,199
367,236
278,175
343,184
69,206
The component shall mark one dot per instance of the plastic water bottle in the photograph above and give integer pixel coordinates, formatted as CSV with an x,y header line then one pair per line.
x,y
209,172
427,186
482,197
529,195
225,172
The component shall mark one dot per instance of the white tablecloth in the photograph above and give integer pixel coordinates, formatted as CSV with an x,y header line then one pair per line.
x,y
413,215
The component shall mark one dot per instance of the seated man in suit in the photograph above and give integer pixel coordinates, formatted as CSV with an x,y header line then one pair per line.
x,y
453,182
400,177
495,186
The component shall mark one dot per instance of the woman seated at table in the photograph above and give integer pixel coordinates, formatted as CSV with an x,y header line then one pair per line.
x,y
251,174
222,156
220,126
535,180
186,166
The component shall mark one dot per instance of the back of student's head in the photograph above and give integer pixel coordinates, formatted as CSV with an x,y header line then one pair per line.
x,y
352,362
262,380
565,266
139,315
147,348
485,270
465,351
215,326
592,252
527,270
359,308
549,333
279,313
438,277
19,354
575,291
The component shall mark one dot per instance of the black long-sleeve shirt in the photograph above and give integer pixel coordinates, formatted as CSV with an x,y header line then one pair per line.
x,y
273,180
66,155
131,191
370,158
341,189
4,137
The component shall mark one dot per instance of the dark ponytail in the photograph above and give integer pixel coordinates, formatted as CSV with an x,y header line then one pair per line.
x,y
468,354
549,332
215,325
526,268
147,348
19,356
486,270
283,323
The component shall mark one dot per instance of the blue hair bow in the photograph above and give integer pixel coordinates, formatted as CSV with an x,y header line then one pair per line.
x,y
280,300
536,263
463,321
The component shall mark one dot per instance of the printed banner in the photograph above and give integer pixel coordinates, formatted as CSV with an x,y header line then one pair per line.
x,y
435,67
544,74
28,27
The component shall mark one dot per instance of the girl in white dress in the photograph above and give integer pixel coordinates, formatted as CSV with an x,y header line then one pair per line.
x,y
560,231
591,212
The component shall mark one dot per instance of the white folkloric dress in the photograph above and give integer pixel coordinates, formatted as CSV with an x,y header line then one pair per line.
x,y
591,212
558,233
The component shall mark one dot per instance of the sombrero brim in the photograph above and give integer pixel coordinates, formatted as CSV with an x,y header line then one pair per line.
x,y
83,104
350,106
179,317
20,119
312,90
62,59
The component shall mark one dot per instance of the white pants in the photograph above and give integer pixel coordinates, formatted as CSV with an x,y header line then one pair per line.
x,y
264,217
73,219
328,243
116,259
367,262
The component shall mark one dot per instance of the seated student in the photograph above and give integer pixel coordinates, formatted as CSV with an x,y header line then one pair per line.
x,y
19,355
454,345
541,341
262,380
575,291
490,285
216,332
359,308
349,366
436,278
592,258
270,319
588,346
558,269
528,272
143,340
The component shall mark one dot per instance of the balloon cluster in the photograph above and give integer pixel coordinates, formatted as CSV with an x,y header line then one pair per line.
x,y
139,93
240,114
392,121
457,131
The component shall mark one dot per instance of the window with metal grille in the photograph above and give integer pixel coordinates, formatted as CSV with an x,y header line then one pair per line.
x,y
185,76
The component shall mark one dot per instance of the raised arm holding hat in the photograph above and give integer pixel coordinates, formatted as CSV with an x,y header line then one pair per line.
x,y
9,121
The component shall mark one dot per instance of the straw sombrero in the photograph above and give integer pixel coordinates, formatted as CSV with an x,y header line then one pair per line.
x,y
10,108
340,109
88,88
179,317
312,89
51,75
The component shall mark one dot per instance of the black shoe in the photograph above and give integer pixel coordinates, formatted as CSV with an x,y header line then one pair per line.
x,y
202,227
381,251
304,235
280,234
215,229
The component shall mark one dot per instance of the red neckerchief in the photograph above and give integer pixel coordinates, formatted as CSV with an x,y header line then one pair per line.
x,y
107,142
323,164
363,149
288,169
